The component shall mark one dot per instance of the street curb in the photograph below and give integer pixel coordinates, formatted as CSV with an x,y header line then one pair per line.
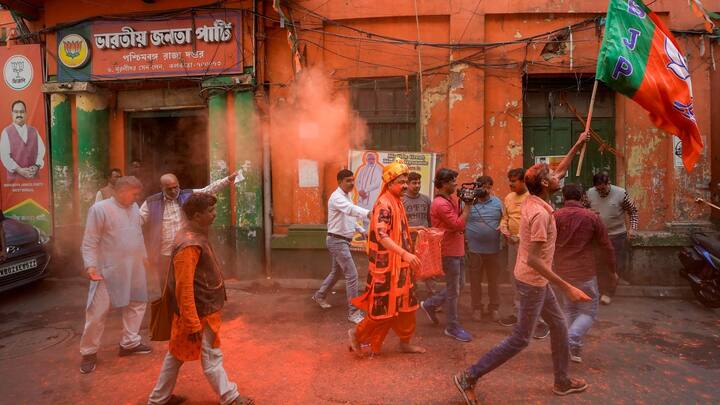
x,y
313,284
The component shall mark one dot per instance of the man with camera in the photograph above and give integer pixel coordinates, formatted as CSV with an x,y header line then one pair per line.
x,y
483,241
446,213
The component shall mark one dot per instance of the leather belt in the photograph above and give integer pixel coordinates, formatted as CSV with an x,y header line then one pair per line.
x,y
336,236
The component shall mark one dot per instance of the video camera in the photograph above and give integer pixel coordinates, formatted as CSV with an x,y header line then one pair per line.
x,y
470,193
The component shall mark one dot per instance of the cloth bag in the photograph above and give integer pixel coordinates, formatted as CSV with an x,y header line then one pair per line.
x,y
161,316
427,249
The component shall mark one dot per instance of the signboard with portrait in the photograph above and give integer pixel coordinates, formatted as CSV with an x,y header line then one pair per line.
x,y
24,176
368,166
208,43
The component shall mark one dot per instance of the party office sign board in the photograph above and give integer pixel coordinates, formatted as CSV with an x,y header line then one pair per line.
x,y
196,45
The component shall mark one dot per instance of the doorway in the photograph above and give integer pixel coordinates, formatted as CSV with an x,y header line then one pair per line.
x,y
174,141
551,107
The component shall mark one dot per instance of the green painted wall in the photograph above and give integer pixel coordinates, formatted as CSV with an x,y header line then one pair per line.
x,y
217,134
93,138
248,192
61,158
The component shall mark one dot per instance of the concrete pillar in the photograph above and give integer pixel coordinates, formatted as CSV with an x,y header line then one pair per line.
x,y
61,158
217,133
248,193
93,132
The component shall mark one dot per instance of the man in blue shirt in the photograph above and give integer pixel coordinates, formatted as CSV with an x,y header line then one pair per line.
x,y
483,240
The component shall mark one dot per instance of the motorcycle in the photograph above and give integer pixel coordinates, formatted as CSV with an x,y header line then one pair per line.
x,y
701,267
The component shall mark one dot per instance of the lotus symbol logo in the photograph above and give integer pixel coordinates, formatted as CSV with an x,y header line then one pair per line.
x,y
73,51
72,48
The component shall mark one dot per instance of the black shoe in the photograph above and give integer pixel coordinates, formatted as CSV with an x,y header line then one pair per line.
x,y
87,364
139,349
175,400
508,321
542,330
466,387
430,312
570,386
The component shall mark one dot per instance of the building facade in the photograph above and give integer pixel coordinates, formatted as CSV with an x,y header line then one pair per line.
x,y
483,86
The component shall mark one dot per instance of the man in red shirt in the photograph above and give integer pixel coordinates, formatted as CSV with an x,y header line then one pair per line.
x,y
446,214
533,272
578,231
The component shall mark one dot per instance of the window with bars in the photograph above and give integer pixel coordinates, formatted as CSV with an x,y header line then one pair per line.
x,y
389,105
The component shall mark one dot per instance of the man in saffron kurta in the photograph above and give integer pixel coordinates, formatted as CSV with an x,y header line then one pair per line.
x,y
196,286
389,300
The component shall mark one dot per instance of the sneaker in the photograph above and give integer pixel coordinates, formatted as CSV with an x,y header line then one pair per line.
x,y
542,330
139,349
476,315
87,364
466,388
508,321
495,315
321,301
575,355
430,312
356,317
458,333
570,386
605,299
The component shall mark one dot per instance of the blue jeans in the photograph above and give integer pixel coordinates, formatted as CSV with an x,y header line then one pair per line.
x,y
454,276
342,263
534,302
580,315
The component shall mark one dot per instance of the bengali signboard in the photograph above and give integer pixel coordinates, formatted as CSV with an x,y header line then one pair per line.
x,y
24,177
203,44
368,166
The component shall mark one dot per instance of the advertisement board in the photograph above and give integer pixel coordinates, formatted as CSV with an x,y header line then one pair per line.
x,y
24,148
368,166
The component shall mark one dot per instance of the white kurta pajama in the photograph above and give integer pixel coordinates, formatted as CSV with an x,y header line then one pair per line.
x,y
114,244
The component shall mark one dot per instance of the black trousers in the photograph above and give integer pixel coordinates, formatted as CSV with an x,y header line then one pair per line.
x,y
481,266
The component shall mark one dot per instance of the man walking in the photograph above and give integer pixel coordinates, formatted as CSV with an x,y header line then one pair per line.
x,y
389,298
533,272
613,204
579,230
342,224
510,228
417,209
446,214
162,216
113,251
483,242
197,292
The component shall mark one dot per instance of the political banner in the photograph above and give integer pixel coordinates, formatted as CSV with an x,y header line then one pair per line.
x,y
24,176
368,166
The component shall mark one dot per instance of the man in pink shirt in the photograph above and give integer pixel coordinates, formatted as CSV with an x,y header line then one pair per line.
x,y
446,214
533,271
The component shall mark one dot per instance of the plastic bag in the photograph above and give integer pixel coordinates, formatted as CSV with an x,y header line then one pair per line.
x,y
427,249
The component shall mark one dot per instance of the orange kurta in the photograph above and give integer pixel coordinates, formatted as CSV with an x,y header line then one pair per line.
x,y
390,285
188,322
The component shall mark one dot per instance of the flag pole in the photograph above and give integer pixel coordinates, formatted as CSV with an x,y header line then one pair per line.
x,y
587,128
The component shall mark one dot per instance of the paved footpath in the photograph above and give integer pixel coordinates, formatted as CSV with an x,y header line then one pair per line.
x,y
282,349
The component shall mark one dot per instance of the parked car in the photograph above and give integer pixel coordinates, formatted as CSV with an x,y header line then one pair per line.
x,y
27,254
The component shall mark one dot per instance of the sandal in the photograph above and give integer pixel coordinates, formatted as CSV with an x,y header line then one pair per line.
x,y
241,400
353,345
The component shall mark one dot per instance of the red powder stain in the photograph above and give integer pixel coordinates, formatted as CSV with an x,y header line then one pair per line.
x,y
692,380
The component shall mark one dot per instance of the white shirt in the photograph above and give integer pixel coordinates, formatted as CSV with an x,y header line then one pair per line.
x,y
343,215
7,161
173,217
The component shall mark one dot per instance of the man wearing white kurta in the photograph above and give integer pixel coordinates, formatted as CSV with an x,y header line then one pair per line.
x,y
114,254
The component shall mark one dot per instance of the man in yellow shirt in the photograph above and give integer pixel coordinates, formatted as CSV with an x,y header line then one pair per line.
x,y
510,227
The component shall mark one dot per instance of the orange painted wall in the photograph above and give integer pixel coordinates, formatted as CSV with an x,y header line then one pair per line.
x,y
472,116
